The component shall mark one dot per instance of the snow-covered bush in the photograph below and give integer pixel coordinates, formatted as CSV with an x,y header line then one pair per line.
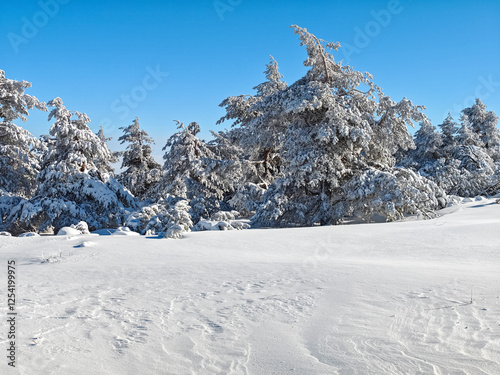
x,y
392,195
225,215
81,226
74,229
157,218
222,220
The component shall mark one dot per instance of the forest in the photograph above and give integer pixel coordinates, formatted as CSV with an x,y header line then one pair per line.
x,y
327,149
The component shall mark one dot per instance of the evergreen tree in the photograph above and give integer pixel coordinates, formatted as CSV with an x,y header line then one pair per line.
x,y
113,156
259,135
19,150
142,171
337,126
428,143
449,130
474,158
194,172
484,124
72,187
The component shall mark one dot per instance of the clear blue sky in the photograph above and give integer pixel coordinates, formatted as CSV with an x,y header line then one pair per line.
x,y
180,59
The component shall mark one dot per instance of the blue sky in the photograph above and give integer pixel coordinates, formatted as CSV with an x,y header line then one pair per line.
x,y
165,60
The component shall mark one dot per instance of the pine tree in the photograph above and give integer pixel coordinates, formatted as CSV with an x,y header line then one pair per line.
x,y
337,125
428,143
72,187
194,172
142,171
259,135
19,150
112,158
484,124
449,130
476,166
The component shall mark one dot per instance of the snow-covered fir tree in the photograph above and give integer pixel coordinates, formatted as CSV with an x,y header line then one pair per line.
x,y
337,126
484,124
476,166
72,187
449,130
142,171
194,172
113,157
464,167
259,135
19,150
428,145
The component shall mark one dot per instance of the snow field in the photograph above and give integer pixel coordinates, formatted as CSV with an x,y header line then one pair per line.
x,y
356,299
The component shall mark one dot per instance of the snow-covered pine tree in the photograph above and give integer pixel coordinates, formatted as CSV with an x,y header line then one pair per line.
x,y
337,126
449,130
19,150
259,135
183,151
428,144
194,172
476,166
484,124
142,171
72,187
114,156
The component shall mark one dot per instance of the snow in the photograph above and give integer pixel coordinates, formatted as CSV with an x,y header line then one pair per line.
x,y
415,297
104,231
68,231
29,234
124,231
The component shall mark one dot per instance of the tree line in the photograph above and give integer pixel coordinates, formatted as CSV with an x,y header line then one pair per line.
x,y
328,148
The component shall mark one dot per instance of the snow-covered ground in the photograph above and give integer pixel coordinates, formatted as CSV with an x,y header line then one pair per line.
x,y
355,299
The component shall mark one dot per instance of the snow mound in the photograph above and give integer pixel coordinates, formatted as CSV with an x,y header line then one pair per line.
x,y
87,244
124,231
5,234
29,234
74,230
82,226
68,231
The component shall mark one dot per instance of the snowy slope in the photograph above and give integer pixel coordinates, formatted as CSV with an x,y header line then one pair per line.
x,y
354,299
